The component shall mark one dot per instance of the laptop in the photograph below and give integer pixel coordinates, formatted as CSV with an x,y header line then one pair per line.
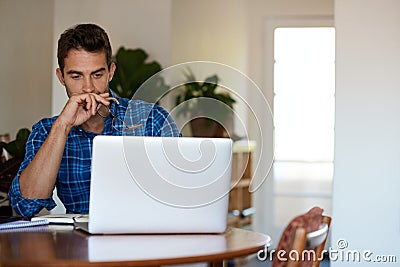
x,y
159,185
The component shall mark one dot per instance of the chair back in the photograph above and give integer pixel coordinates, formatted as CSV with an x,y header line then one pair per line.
x,y
303,247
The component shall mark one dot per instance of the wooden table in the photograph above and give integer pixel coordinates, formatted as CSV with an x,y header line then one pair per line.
x,y
55,246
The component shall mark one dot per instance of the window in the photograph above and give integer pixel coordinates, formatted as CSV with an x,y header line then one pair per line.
x,y
304,87
304,106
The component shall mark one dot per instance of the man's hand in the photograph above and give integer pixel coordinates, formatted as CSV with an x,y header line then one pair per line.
x,y
80,108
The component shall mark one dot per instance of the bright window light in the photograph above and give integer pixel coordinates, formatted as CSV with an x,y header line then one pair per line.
x,y
304,87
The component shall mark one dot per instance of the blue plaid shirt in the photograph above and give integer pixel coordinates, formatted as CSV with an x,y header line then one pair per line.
x,y
73,179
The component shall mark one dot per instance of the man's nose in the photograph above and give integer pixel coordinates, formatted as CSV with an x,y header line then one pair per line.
x,y
88,86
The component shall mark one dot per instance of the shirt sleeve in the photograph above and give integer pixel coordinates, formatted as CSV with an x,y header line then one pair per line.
x,y
28,207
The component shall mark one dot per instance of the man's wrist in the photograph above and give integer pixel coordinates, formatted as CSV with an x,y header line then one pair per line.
x,y
61,127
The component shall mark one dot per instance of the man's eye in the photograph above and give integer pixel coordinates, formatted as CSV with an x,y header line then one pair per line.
x,y
75,77
98,75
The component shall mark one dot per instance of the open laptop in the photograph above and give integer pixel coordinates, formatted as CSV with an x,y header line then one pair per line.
x,y
159,185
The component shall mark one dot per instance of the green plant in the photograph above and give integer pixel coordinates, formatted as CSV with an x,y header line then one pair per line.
x,y
132,71
194,89
17,147
208,107
10,167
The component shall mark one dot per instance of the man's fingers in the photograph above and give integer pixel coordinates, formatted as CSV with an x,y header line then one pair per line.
x,y
93,105
104,95
89,102
101,99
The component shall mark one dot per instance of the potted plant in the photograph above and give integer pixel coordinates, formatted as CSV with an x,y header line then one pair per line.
x,y
132,71
10,166
208,108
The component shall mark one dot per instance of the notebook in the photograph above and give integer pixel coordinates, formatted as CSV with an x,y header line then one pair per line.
x,y
159,185
14,223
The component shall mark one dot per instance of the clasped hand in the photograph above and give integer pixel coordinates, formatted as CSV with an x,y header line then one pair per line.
x,y
81,107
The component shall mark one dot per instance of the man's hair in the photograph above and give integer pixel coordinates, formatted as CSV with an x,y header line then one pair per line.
x,y
88,37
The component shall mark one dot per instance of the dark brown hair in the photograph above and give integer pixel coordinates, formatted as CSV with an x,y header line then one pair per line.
x,y
88,37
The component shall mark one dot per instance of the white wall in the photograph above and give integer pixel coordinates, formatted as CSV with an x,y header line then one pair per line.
x,y
130,23
25,65
366,199
209,30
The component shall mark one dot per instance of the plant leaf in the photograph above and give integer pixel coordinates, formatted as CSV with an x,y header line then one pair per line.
x,y
23,134
132,71
17,146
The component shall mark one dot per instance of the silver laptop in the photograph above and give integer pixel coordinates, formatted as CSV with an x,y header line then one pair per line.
x,y
159,185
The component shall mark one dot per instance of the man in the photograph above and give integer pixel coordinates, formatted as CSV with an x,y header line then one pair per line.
x,y
58,151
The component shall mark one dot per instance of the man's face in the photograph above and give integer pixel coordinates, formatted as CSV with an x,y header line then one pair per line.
x,y
85,72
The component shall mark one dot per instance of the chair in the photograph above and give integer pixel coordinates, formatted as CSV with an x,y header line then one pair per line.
x,y
303,241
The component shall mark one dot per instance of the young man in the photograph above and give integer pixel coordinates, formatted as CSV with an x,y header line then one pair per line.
x,y
58,151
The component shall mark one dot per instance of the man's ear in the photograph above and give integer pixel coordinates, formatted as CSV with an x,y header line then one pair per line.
x,y
60,76
112,70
